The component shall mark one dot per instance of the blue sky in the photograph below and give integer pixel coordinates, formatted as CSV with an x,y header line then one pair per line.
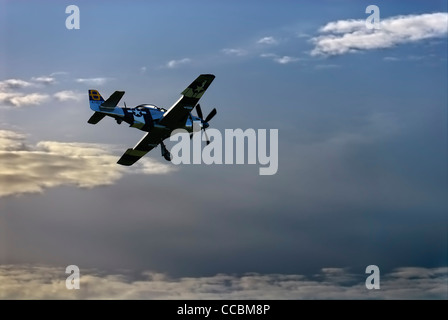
x,y
362,175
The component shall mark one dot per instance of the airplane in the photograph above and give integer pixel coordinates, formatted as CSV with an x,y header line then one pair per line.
x,y
158,122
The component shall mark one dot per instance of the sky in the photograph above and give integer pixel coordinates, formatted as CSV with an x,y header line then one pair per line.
x,y
362,180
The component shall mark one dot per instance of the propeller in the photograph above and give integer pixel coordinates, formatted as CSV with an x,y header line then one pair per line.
x,y
205,121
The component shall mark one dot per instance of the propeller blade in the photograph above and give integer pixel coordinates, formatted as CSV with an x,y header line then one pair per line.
x,y
211,115
199,111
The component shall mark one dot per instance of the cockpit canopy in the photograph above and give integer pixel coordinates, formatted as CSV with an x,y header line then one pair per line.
x,y
149,106
156,112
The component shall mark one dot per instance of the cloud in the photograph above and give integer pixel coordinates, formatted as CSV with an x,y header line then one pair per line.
x,y
175,63
44,282
10,94
19,99
46,80
286,59
10,141
93,81
149,166
11,97
31,169
346,36
10,84
68,95
267,40
234,52
280,59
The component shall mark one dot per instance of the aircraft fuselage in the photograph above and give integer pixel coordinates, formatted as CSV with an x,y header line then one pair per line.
x,y
146,117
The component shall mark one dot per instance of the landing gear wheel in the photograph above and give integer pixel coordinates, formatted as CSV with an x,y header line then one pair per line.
x,y
165,153
167,156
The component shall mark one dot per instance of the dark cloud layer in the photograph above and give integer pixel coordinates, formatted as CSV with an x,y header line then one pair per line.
x,y
41,282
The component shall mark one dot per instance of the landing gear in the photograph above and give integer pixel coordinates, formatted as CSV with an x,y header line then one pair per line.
x,y
119,121
165,153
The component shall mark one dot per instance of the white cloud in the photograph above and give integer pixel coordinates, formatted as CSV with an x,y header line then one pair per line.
x,y
234,52
286,59
344,26
11,97
14,84
93,81
280,59
267,40
29,99
10,141
19,99
31,169
149,166
46,80
68,95
43,282
352,35
175,63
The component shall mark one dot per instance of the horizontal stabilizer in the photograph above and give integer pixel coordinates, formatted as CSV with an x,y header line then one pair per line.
x,y
113,100
96,117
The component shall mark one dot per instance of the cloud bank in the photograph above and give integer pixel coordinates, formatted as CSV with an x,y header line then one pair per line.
x,y
345,36
42,282
33,168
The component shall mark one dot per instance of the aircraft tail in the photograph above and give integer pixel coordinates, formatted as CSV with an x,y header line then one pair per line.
x,y
101,106
95,100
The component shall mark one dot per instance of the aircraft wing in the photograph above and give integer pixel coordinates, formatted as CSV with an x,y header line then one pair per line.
x,y
176,116
146,144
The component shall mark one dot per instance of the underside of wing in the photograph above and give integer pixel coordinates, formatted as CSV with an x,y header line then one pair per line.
x,y
176,116
146,144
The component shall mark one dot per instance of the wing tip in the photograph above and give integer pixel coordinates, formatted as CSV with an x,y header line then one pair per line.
x,y
131,156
